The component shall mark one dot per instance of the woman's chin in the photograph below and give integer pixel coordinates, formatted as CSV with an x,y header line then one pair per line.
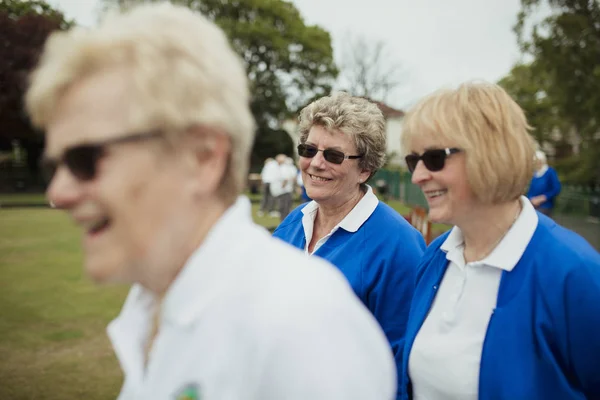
x,y
437,217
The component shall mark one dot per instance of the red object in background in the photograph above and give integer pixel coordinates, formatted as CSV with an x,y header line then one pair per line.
x,y
419,219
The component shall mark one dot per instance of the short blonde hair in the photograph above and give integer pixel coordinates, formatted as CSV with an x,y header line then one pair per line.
x,y
484,121
354,116
184,74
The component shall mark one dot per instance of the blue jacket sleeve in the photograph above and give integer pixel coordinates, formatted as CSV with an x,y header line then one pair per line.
x,y
582,303
389,292
553,186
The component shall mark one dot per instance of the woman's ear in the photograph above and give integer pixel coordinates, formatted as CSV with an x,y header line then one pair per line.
x,y
207,151
364,175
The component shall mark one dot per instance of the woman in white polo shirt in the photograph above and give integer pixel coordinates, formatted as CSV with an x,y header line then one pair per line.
x,y
506,303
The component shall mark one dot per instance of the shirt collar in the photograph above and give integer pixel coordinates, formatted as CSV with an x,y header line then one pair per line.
x,y
510,249
353,220
199,279
541,171
195,283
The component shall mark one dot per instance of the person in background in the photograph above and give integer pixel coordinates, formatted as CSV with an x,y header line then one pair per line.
x,y
544,186
278,186
148,135
268,173
342,145
288,174
506,303
301,188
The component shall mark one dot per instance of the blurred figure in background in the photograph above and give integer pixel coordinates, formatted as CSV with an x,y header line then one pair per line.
x,y
342,145
506,303
302,194
277,185
288,174
268,173
282,186
545,186
149,132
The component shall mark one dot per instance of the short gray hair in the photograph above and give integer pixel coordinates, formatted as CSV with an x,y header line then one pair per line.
x,y
354,116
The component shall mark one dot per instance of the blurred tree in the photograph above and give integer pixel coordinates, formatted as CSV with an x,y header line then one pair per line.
x,y
565,48
288,62
24,27
529,88
367,68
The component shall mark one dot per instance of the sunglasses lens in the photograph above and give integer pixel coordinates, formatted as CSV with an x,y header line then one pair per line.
x,y
411,162
82,161
334,156
434,160
305,150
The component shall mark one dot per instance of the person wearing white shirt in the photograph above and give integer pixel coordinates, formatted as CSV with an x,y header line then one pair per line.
x,y
282,185
148,135
267,175
289,174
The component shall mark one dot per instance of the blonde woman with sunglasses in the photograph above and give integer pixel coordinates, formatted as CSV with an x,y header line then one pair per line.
x,y
506,304
342,145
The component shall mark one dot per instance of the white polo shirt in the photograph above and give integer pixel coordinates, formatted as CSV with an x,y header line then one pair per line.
x,y
252,318
269,171
446,354
351,222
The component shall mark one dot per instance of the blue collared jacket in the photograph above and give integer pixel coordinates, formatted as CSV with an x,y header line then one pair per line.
x,y
543,338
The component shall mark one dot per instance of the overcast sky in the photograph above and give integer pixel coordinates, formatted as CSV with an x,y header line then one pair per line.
x,y
437,42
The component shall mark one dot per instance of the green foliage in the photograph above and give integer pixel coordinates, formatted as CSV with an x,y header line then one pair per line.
x,y
16,9
560,89
24,27
288,62
529,88
268,144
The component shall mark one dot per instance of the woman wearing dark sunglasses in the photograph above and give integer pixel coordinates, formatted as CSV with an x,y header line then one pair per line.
x,y
148,136
342,144
506,303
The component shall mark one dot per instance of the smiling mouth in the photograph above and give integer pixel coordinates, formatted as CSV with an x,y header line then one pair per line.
x,y
435,193
98,226
318,178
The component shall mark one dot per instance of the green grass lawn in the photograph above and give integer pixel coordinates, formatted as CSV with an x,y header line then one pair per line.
x,y
23,198
53,343
52,330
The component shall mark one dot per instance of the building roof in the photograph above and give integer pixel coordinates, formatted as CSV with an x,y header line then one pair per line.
x,y
388,112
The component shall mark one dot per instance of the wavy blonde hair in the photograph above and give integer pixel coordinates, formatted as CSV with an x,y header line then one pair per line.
x,y
491,128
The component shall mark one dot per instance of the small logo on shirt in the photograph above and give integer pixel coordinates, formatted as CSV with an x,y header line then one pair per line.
x,y
189,392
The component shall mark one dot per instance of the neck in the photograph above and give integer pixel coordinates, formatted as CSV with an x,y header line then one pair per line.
x,y
181,238
486,227
329,215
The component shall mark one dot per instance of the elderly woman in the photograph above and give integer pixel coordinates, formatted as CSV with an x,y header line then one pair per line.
x,y
148,133
342,144
506,303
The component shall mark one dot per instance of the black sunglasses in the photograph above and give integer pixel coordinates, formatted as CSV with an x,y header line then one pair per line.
x,y
434,160
82,160
333,156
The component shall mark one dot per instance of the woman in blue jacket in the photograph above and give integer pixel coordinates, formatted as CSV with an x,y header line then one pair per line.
x,y
342,145
544,186
507,303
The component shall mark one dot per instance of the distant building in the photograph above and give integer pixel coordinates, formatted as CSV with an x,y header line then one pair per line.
x,y
394,119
